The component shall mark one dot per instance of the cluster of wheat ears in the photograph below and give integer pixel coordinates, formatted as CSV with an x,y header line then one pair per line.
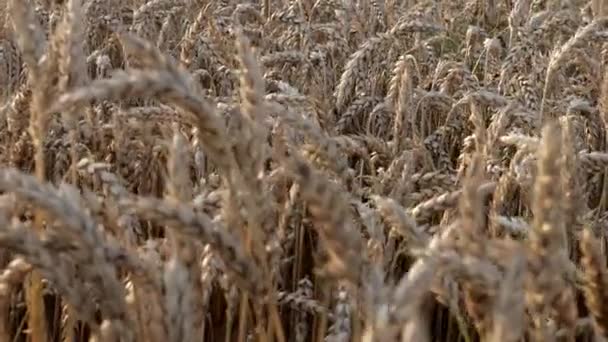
x,y
292,170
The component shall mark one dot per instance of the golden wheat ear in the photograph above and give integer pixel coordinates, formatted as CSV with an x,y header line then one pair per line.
x,y
596,280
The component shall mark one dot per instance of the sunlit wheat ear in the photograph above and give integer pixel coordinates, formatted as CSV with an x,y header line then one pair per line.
x,y
330,210
73,68
401,97
596,283
548,226
508,320
474,236
30,36
418,279
401,222
184,316
251,148
11,277
549,293
517,17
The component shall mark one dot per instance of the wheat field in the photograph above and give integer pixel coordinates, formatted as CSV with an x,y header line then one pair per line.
x,y
301,170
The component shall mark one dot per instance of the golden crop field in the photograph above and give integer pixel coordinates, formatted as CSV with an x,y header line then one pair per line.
x,y
301,170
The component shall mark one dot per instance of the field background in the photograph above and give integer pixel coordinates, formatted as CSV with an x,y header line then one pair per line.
x,y
299,170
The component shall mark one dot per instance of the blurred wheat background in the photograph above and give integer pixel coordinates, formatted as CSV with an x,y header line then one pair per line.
x,y
301,170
